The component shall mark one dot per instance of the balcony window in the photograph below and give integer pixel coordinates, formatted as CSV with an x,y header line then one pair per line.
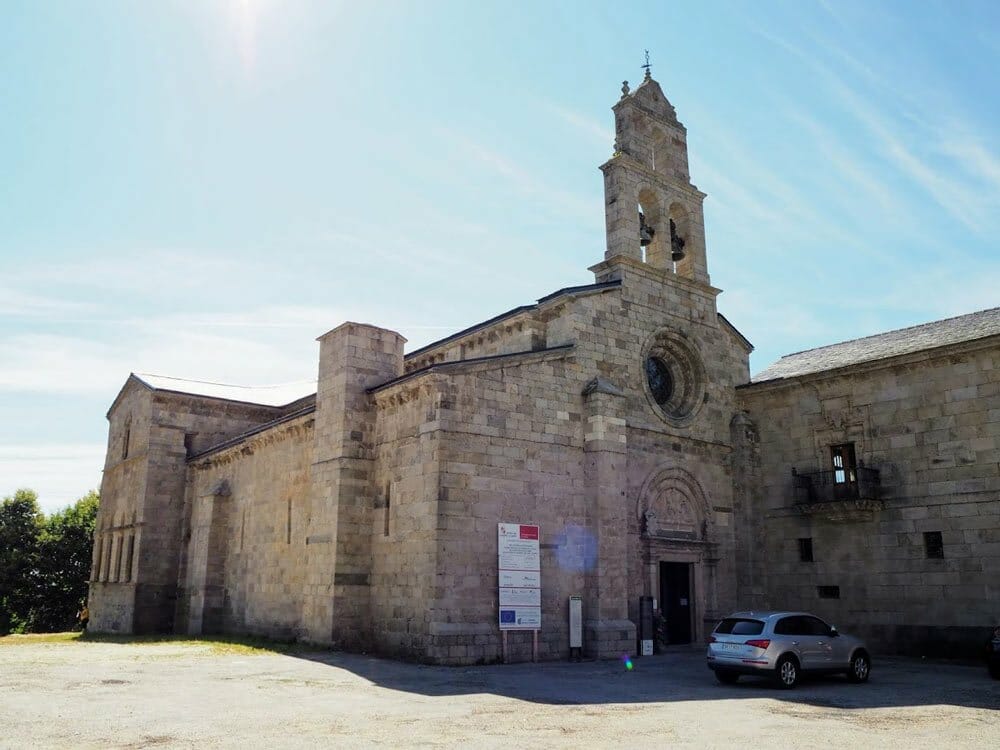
x,y
844,465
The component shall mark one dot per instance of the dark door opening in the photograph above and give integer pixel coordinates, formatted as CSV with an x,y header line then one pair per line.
x,y
675,600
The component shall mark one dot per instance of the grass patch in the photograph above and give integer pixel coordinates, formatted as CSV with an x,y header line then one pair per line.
x,y
29,639
217,644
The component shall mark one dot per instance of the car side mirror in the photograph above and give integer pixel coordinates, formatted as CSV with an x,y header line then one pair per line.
x,y
833,631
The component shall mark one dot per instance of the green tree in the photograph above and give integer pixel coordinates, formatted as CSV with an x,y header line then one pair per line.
x,y
20,527
65,546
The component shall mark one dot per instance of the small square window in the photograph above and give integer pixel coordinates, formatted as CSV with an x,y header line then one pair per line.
x,y
806,549
933,544
828,592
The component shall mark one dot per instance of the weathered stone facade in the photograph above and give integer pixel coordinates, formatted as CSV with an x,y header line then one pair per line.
x,y
914,550
615,416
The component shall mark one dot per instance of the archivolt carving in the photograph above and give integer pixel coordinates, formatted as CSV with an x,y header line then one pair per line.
x,y
672,504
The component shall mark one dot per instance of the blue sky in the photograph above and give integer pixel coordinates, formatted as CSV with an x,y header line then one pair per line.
x,y
199,188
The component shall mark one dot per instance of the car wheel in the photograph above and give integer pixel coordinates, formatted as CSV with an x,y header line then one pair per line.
x,y
860,668
787,672
726,678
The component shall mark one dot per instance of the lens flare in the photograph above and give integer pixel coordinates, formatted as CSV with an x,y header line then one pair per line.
x,y
577,550
627,661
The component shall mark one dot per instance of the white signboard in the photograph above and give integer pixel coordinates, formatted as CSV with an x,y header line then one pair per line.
x,y
521,597
519,565
520,579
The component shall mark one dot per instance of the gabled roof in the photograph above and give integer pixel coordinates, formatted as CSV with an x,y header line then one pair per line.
x,y
564,292
460,364
910,340
736,332
650,96
267,395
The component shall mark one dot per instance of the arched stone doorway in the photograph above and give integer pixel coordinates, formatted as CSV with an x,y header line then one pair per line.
x,y
677,552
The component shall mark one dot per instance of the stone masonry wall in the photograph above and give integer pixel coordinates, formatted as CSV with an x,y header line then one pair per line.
x,y
512,451
260,489
118,528
614,331
518,333
404,524
138,532
931,425
174,418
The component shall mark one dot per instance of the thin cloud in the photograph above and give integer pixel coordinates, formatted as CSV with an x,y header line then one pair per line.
x,y
530,185
583,124
867,186
59,472
140,270
949,187
17,303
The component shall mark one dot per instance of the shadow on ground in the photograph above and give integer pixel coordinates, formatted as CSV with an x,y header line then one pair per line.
x,y
679,675
676,676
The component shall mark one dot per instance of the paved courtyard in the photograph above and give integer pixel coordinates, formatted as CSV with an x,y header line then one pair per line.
x,y
128,695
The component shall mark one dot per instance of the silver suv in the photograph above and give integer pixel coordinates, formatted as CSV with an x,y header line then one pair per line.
x,y
783,645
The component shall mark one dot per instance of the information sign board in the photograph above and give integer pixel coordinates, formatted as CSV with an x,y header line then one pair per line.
x,y
519,564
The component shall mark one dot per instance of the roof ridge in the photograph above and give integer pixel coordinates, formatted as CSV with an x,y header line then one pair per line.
x,y
225,385
890,331
978,326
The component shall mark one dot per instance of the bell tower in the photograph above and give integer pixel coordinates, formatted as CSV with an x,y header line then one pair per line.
x,y
653,213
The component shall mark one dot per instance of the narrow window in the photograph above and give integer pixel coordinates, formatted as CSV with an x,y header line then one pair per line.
x,y
385,521
806,549
288,523
116,565
106,562
188,444
127,572
126,437
844,465
933,544
243,527
95,571
828,592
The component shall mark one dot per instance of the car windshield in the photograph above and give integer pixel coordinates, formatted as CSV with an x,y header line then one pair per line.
x,y
740,626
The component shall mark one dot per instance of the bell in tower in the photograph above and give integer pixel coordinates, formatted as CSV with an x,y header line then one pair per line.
x,y
676,244
646,232
649,169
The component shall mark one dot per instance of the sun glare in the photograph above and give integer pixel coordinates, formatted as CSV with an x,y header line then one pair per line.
x,y
244,18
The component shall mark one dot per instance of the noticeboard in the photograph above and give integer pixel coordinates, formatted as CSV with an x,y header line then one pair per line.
x,y
520,577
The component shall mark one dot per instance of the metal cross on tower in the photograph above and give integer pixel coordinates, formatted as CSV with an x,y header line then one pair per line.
x,y
647,66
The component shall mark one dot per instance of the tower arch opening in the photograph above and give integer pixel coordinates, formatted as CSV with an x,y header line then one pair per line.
x,y
651,234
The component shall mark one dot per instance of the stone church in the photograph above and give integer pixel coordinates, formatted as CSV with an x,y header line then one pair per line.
x,y
859,480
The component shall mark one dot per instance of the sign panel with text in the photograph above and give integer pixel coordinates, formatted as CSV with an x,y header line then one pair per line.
x,y
519,564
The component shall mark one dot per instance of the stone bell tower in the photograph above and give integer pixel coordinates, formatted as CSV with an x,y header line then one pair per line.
x,y
654,214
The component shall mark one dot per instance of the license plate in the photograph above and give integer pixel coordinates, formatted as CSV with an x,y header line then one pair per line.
x,y
730,647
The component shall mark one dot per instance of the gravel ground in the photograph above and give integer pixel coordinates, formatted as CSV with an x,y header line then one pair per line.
x,y
92,694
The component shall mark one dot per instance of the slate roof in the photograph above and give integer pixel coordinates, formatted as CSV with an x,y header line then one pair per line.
x,y
919,338
267,395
